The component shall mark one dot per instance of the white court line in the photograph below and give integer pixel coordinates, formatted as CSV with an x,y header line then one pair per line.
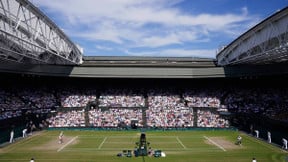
x,y
25,140
216,144
138,136
274,148
203,150
181,143
87,136
102,143
61,148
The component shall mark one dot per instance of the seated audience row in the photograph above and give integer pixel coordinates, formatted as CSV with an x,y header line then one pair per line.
x,y
270,102
210,119
121,98
68,119
114,117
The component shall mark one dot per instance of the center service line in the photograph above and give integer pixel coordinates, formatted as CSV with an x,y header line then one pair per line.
x,y
216,144
181,143
102,143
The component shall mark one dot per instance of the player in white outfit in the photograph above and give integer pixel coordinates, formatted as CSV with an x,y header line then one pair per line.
x,y
61,138
239,140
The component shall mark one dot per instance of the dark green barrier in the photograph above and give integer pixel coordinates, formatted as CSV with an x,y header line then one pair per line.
x,y
5,134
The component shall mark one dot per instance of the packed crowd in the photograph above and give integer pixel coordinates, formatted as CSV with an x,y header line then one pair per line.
x,y
74,118
209,119
166,108
114,117
269,102
76,98
121,98
38,98
14,102
203,98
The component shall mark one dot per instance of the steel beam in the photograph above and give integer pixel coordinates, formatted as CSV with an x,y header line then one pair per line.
x,y
25,28
265,43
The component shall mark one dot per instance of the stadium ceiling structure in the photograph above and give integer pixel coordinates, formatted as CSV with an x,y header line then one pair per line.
x,y
28,36
266,43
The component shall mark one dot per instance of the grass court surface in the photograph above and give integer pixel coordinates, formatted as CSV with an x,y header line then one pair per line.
x,y
103,146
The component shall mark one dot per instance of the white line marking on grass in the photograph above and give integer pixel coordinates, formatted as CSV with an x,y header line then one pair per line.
x,y
181,143
61,148
216,144
197,149
86,136
22,141
272,147
102,143
138,136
